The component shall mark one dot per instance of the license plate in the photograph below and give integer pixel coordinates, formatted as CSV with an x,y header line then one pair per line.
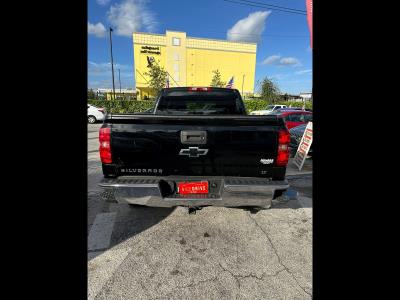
x,y
185,188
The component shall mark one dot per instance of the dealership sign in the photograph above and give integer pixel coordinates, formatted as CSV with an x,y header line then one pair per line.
x,y
150,50
309,19
304,146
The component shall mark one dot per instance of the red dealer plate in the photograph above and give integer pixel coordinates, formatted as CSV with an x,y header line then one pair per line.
x,y
185,188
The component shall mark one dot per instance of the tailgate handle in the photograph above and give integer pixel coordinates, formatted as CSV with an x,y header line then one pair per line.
x,y
194,137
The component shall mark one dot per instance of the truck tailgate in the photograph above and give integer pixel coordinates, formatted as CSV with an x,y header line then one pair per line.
x,y
233,145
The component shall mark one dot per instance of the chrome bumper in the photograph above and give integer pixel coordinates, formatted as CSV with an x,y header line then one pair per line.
x,y
228,191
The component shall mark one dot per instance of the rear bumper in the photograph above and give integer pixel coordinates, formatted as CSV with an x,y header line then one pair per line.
x,y
227,191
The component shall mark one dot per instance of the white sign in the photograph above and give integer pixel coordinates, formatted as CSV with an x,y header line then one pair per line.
x,y
304,146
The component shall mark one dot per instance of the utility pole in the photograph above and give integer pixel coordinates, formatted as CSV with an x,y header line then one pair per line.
x,y
119,78
112,64
242,86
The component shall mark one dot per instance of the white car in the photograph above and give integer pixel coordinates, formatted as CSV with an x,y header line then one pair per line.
x,y
269,109
95,114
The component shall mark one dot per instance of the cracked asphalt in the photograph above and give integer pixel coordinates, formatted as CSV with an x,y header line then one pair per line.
x,y
218,253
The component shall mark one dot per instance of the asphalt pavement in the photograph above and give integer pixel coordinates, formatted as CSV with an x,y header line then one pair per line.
x,y
218,253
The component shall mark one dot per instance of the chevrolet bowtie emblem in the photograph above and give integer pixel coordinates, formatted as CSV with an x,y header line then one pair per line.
x,y
193,152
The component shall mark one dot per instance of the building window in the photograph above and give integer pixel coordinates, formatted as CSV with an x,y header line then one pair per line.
x,y
176,41
176,76
176,56
176,67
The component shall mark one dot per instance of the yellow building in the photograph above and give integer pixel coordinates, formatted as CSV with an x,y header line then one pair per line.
x,y
191,61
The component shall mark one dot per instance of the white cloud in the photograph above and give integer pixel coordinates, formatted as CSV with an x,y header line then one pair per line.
x,y
279,76
271,60
97,29
129,16
99,75
309,71
99,69
250,28
280,61
285,61
102,2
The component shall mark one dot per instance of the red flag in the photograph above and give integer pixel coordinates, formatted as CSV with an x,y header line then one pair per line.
x,y
309,18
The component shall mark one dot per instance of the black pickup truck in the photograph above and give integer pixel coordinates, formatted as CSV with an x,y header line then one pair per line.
x,y
196,148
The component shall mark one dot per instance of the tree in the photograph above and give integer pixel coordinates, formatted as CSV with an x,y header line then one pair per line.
x,y
91,94
269,91
216,80
158,77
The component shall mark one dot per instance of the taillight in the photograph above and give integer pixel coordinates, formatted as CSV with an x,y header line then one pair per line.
x,y
283,148
101,110
200,89
105,147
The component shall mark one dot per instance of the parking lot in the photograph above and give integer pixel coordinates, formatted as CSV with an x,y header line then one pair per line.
x,y
218,253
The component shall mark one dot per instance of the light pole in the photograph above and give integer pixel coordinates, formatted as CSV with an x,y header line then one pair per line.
x,y
119,78
242,86
112,63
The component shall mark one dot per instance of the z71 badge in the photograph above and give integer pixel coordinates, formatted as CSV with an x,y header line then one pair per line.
x,y
265,161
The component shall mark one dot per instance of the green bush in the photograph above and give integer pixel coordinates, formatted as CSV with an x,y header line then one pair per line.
x,y
123,106
134,106
252,105
298,104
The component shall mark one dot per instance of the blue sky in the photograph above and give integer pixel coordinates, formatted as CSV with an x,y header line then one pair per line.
x,y
283,51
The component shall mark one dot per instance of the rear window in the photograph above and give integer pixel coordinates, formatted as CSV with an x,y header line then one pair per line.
x,y
201,103
299,128
308,117
295,118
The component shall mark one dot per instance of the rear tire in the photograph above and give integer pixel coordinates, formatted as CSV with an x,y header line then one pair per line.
x,y
92,119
